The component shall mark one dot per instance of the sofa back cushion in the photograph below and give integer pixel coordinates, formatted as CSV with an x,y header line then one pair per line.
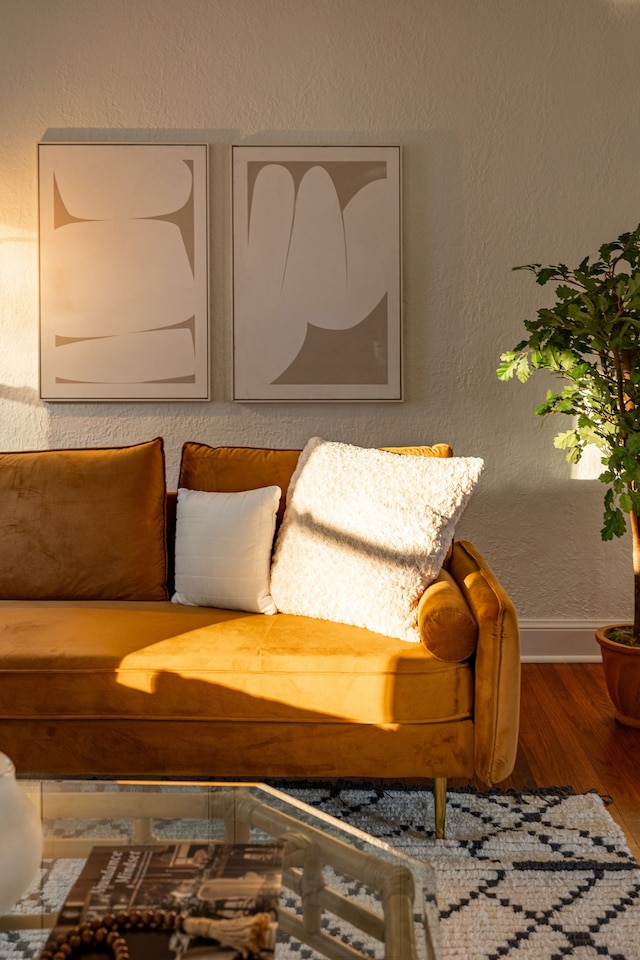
x,y
84,524
231,469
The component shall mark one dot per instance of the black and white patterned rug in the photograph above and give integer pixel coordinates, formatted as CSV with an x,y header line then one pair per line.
x,y
541,876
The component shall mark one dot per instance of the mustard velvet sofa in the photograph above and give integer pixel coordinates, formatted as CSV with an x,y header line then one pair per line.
x,y
102,675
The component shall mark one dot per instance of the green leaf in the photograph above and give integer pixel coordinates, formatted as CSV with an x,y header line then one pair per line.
x,y
565,439
564,292
614,525
626,502
570,441
533,267
514,364
633,444
544,275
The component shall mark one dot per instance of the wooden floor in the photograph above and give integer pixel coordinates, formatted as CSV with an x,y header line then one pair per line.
x,y
568,737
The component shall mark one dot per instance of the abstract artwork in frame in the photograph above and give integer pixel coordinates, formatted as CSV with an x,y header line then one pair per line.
x,y
316,273
124,290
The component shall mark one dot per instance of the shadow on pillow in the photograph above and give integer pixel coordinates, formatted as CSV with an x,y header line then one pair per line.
x,y
365,532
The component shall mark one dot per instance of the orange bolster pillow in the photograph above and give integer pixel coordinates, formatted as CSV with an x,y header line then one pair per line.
x,y
447,627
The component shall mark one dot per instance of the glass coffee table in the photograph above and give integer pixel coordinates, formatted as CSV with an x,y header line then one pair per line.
x,y
345,895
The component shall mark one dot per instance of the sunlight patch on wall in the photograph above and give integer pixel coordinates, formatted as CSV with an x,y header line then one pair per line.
x,y
19,354
589,466
18,305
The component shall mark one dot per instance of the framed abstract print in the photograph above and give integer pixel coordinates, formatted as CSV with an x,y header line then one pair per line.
x,y
124,289
317,273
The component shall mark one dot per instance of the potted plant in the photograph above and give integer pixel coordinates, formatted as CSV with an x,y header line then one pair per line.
x,y
590,339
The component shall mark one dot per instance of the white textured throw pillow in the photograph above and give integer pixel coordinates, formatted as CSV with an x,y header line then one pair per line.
x,y
223,548
365,532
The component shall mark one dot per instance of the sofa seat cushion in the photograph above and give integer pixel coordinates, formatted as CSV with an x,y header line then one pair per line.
x,y
149,660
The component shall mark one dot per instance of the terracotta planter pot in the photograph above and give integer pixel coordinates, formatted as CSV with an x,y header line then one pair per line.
x,y
622,674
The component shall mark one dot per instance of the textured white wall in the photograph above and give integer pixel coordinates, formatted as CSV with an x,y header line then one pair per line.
x,y
520,128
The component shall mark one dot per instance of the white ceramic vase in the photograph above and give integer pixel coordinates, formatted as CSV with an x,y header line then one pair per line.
x,y
20,837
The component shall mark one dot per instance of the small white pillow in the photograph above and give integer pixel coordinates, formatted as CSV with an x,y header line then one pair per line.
x,y
365,532
223,548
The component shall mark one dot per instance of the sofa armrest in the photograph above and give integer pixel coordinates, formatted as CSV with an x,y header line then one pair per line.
x,y
497,664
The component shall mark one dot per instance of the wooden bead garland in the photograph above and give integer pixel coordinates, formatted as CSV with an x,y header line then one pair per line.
x,y
106,933
247,934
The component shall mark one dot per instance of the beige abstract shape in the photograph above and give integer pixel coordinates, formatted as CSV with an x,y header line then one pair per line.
x,y
120,183
155,355
137,291
309,262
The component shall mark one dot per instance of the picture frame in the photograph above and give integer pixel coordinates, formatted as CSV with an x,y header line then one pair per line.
x,y
317,273
124,271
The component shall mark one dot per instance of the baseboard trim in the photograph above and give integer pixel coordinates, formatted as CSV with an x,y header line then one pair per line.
x,y
559,641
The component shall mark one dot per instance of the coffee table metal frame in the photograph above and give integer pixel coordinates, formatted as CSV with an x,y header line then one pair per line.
x,y
404,923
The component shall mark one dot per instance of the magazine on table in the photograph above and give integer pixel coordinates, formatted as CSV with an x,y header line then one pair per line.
x,y
222,890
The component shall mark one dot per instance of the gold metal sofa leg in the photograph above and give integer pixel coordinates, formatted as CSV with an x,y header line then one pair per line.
x,y
440,799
